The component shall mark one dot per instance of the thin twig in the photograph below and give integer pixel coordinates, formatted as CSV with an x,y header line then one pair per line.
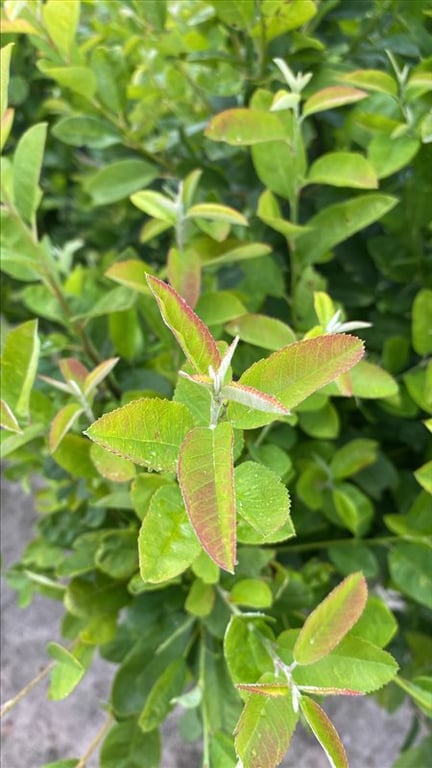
x,y
95,743
11,703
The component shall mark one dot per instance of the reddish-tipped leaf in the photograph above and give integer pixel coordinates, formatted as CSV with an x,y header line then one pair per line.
x,y
325,732
191,333
205,473
328,624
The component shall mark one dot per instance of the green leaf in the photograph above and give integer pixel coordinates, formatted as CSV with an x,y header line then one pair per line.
x,y
253,398
167,687
155,204
245,649
66,674
5,57
422,322
126,746
331,620
61,19
294,372
98,374
377,624
5,126
87,131
80,80
411,570
119,180
147,431
353,508
117,300
191,333
8,420
251,592
264,731
354,557
352,457
372,80
343,169
205,472
19,363
416,756
270,213
339,221
205,569
245,127
354,665
110,466
167,543
201,599
131,273
94,596
216,212
325,732
184,273
265,332
236,13
117,555
389,154
26,170
12,443
63,422
217,307
423,475
420,689
67,763
372,382
322,423
261,498
329,98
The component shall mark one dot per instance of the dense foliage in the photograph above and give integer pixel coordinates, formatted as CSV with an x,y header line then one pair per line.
x,y
225,190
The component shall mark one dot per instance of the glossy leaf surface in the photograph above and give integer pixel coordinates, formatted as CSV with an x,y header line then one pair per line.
x,y
325,732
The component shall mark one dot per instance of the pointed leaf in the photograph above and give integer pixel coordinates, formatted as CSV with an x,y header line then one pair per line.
x,y
411,570
372,80
251,592
73,370
295,372
112,467
191,333
216,212
63,422
167,544
5,56
264,731
242,127
101,371
331,620
168,686
147,431
205,472
8,420
155,204
19,365
184,274
270,213
329,98
265,689
119,180
26,170
339,221
253,398
343,169
422,322
389,154
61,19
325,732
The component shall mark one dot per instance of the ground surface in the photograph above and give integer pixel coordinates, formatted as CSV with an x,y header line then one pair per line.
x,y
38,731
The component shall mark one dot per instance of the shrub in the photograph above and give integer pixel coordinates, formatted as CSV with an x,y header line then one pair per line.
x,y
223,190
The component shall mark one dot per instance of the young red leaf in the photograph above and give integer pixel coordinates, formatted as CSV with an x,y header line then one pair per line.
x,y
294,372
147,431
191,333
205,473
253,398
184,274
62,423
331,620
99,374
73,370
325,732
264,731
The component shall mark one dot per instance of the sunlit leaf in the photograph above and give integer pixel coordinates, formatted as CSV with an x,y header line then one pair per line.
x,y
147,431
205,473
66,674
184,274
242,127
19,365
325,732
113,467
131,273
191,333
216,212
26,170
411,570
155,204
372,80
343,169
8,420
331,620
263,331
99,373
63,422
252,398
422,322
329,98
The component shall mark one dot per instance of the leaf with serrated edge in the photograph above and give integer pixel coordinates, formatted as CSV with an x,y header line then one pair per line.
x,y
63,422
265,689
191,333
264,731
331,620
253,398
321,691
325,732
99,374
205,473
294,372
147,431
